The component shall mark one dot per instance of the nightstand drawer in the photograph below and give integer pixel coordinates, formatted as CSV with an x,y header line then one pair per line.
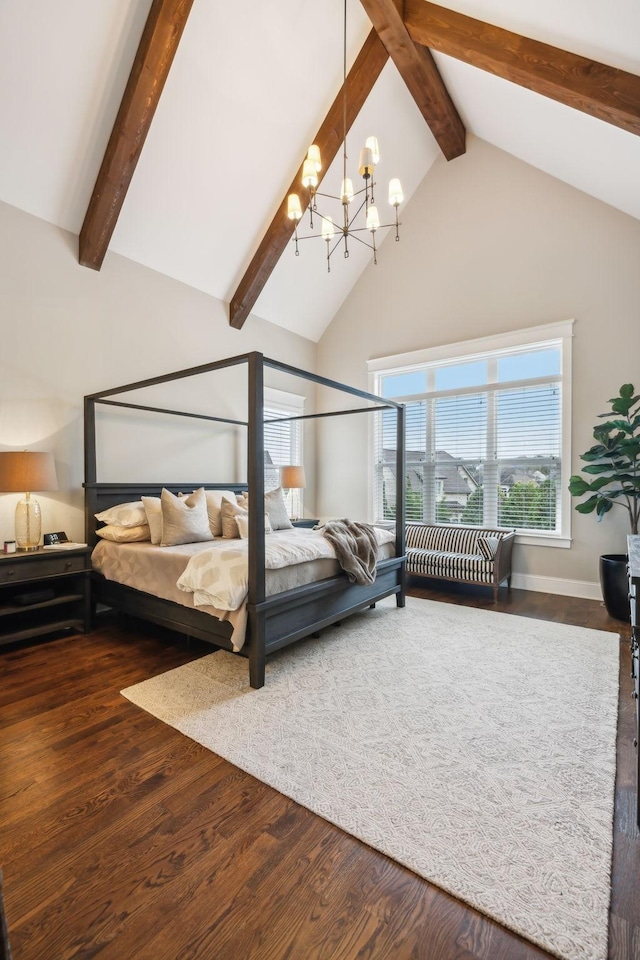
x,y
36,569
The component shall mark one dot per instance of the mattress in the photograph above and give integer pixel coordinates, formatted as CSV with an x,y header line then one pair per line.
x,y
156,570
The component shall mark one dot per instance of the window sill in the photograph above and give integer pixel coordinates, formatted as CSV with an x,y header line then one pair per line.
x,y
543,540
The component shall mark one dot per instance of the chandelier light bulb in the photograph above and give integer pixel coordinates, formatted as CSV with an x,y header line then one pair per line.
x,y
346,191
294,210
309,174
396,195
328,230
313,154
372,144
373,219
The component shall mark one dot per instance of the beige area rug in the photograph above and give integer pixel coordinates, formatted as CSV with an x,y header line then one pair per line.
x,y
476,748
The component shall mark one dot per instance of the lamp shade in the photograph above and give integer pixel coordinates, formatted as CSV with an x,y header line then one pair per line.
x,y
395,192
309,174
328,232
26,470
292,477
294,210
373,218
313,153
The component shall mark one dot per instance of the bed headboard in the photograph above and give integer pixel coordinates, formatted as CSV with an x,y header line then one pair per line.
x,y
99,496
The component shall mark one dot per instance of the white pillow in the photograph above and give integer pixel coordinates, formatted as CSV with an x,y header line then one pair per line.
x,y
214,508
184,519
276,510
124,514
124,534
242,522
153,513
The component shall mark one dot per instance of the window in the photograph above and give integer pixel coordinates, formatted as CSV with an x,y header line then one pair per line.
x,y
282,442
487,430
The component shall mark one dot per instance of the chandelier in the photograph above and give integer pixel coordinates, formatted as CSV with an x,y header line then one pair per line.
x,y
359,211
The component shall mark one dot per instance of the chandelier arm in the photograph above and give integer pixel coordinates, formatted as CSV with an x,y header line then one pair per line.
x,y
360,240
383,226
335,246
356,214
332,196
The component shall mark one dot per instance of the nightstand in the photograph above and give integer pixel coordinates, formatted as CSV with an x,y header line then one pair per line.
x,y
304,523
57,582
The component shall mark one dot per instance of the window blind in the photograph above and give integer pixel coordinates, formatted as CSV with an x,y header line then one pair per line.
x,y
282,445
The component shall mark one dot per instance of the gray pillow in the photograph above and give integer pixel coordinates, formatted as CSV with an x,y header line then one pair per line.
x,y
184,519
276,511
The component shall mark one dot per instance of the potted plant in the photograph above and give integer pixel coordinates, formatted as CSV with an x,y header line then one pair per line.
x,y
613,469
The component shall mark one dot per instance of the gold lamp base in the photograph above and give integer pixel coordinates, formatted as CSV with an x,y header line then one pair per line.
x,y
28,523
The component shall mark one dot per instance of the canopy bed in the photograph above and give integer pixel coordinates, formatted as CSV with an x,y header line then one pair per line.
x,y
281,606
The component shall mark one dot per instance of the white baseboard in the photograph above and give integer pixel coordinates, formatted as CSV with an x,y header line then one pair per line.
x,y
564,588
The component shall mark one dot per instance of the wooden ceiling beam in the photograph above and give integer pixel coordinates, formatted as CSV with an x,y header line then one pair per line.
x,y
602,91
420,73
360,81
159,42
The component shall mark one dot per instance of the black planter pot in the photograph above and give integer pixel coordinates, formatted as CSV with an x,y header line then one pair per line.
x,y
615,585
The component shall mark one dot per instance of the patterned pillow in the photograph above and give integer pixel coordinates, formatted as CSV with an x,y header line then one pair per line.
x,y
488,546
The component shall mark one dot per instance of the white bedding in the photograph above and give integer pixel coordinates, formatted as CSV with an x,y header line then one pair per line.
x,y
219,576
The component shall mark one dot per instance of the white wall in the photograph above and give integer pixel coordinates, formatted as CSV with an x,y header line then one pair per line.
x,y
68,331
488,245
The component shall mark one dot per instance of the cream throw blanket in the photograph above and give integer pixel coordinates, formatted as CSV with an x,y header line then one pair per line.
x,y
356,548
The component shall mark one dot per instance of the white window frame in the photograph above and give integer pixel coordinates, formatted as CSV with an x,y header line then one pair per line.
x,y
289,405
545,335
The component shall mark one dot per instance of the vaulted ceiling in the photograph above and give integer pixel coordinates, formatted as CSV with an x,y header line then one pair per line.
x,y
171,131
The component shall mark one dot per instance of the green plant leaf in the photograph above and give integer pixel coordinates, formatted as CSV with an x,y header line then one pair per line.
x,y
596,453
603,507
598,468
602,482
588,506
578,486
623,425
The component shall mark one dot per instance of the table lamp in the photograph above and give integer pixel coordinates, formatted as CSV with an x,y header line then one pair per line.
x,y
292,478
22,471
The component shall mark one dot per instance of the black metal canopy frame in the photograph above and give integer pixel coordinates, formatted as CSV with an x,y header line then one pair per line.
x,y
277,620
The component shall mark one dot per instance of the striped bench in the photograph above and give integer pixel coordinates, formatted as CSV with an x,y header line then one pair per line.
x,y
463,554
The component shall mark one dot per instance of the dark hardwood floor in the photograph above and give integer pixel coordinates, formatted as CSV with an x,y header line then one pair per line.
x,y
120,838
